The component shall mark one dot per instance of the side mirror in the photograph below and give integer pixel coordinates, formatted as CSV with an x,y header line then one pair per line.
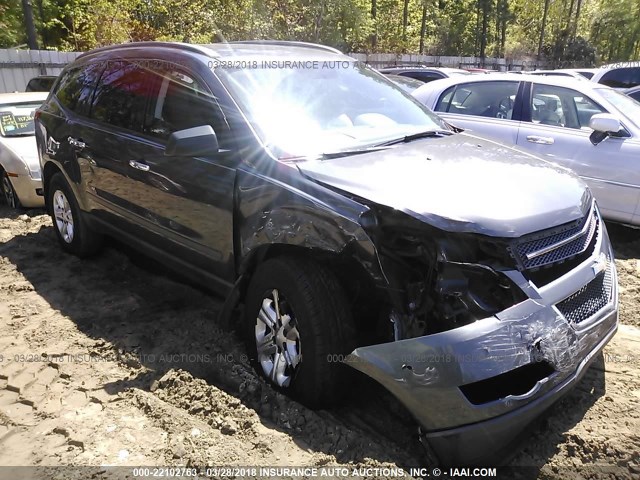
x,y
192,142
603,125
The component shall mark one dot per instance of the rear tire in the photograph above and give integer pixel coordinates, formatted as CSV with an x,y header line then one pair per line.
x,y
298,328
73,233
9,195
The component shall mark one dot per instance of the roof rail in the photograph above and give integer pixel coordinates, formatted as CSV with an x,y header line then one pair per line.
x,y
284,43
206,48
178,45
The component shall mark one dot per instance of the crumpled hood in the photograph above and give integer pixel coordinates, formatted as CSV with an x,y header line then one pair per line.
x,y
461,183
25,148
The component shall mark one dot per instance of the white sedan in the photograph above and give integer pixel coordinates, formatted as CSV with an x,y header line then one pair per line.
x,y
19,166
587,127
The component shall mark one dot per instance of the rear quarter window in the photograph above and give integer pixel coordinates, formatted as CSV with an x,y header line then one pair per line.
x,y
75,89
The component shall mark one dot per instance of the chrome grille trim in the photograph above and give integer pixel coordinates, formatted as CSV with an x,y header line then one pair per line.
x,y
590,299
558,244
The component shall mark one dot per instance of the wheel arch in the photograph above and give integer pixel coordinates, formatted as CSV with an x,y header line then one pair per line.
x,y
366,298
49,170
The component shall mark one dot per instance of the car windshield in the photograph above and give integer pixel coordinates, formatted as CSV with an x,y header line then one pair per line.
x,y
624,103
17,119
319,107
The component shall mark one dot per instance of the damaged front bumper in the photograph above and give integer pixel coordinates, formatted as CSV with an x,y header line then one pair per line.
x,y
474,389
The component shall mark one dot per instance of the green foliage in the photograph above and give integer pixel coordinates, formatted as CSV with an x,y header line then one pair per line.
x,y
12,32
573,31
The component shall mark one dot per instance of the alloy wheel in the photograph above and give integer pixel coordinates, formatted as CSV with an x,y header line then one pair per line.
x,y
63,216
277,339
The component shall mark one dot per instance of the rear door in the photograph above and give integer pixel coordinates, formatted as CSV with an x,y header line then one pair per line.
x,y
557,129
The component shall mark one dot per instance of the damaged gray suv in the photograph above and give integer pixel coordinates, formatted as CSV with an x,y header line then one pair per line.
x,y
357,228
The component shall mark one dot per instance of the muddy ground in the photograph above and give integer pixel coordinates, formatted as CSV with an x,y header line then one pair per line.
x,y
110,361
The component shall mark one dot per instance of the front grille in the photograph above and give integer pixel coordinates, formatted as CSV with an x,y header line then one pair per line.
x,y
590,299
557,245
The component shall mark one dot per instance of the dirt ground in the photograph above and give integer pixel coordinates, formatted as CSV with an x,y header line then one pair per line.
x,y
108,361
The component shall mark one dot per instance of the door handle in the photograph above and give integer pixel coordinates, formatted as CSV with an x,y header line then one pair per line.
x,y
540,140
139,165
79,144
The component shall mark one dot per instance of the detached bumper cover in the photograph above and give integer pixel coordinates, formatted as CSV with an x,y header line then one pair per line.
x,y
473,389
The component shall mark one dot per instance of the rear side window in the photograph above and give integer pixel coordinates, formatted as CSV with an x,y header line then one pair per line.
x,y
485,99
75,89
622,77
122,95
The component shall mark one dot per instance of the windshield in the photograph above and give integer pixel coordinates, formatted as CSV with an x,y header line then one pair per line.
x,y
17,119
624,103
307,112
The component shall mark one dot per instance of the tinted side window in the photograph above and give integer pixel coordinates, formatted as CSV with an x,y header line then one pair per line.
x,y
622,77
635,95
425,77
122,95
75,89
486,99
182,102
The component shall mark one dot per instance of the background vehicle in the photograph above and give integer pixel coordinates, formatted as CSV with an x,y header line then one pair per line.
x,y
634,93
590,128
301,192
618,75
19,166
408,84
42,83
586,72
424,74
559,73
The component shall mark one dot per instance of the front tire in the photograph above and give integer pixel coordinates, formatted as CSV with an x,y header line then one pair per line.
x,y
298,328
9,194
73,233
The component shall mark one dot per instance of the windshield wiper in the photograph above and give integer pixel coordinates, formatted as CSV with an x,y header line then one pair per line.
x,y
347,153
417,136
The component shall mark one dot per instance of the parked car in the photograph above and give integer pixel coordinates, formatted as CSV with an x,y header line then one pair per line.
x,y
474,282
42,83
634,93
586,72
559,73
618,75
407,84
478,70
588,127
19,165
424,74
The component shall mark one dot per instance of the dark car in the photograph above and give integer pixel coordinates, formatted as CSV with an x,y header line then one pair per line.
x,y
424,74
473,281
43,83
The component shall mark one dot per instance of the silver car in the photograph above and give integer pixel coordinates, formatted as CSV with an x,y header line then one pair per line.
x,y
19,165
587,127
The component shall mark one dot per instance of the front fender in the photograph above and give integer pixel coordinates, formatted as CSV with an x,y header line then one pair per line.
x,y
308,216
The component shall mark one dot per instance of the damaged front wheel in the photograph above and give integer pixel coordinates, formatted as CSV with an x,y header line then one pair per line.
x,y
297,320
